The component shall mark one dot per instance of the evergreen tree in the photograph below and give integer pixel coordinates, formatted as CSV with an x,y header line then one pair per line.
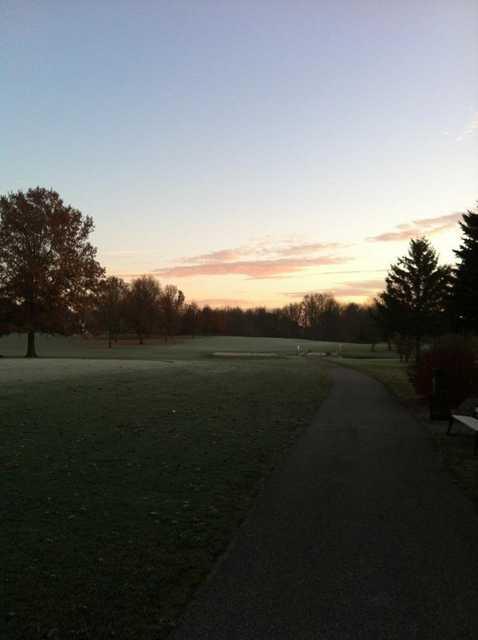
x,y
416,294
465,290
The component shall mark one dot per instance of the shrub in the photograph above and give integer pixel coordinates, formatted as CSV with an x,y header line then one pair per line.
x,y
457,360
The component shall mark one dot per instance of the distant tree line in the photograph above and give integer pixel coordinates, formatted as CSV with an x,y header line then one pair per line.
x,y
146,309
142,307
51,282
318,317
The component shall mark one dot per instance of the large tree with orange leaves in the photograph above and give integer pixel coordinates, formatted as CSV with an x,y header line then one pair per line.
x,y
48,268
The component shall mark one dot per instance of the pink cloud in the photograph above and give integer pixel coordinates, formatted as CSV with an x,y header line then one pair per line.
x,y
308,248
449,219
255,269
262,249
393,236
341,273
418,228
359,288
224,255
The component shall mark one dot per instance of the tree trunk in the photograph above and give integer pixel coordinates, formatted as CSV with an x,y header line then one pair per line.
x,y
31,351
417,348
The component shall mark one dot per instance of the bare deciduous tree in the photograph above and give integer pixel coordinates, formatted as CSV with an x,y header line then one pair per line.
x,y
143,306
112,306
171,302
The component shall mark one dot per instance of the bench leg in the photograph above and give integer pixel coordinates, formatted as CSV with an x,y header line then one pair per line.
x,y
450,424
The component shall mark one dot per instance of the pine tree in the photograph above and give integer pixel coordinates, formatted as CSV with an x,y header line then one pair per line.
x,y
416,294
465,290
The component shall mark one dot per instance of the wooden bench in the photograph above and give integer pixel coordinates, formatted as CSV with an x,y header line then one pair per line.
x,y
468,421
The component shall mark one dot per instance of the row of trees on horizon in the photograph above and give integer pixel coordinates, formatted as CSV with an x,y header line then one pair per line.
x,y
51,281
147,309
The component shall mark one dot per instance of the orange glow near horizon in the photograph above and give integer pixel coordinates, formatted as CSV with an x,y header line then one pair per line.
x,y
274,273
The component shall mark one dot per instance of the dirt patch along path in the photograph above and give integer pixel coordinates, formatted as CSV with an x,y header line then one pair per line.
x,y
361,535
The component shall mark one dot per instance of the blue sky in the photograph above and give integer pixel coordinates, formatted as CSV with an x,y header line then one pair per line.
x,y
228,132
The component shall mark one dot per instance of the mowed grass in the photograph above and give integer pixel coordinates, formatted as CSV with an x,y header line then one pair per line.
x,y
183,348
124,479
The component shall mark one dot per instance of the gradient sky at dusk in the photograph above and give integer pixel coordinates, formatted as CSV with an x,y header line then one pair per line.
x,y
247,151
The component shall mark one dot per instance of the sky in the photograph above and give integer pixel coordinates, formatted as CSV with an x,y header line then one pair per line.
x,y
249,152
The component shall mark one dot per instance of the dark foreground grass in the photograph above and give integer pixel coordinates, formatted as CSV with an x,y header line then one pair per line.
x,y
119,491
457,452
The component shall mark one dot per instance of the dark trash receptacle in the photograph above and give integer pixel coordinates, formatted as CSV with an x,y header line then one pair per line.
x,y
439,399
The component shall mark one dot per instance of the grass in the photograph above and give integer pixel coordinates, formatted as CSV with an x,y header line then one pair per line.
x,y
124,479
182,349
126,471
457,452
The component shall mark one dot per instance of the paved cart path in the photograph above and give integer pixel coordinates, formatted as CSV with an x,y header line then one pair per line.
x,y
361,534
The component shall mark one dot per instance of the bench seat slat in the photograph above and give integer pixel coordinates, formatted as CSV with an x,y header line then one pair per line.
x,y
470,422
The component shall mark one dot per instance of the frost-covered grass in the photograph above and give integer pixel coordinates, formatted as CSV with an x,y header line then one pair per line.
x,y
17,373
183,348
123,479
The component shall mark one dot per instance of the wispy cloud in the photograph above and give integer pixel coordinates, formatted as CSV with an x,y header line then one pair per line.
x,y
261,258
307,248
417,228
263,249
360,288
348,272
224,255
469,130
256,269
